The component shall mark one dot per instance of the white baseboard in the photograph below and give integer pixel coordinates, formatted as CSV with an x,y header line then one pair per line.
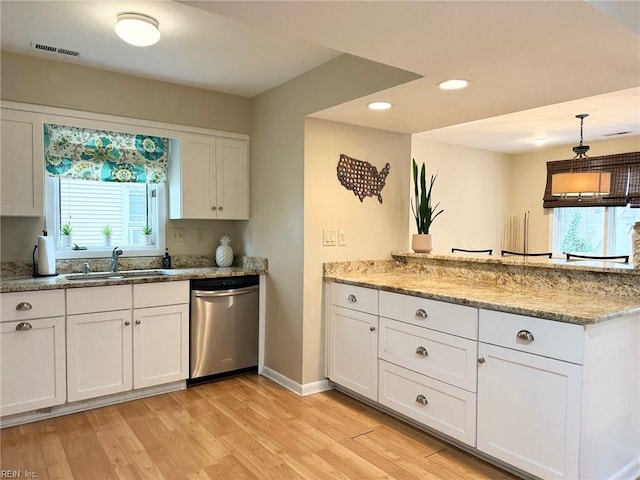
x,y
67,408
295,387
630,472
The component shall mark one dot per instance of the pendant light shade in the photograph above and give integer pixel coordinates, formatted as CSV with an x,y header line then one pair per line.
x,y
581,183
137,29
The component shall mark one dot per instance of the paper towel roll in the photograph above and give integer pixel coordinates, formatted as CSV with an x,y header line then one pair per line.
x,y
46,256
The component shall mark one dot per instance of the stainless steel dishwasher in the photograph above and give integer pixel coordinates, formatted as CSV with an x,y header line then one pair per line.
x,y
223,327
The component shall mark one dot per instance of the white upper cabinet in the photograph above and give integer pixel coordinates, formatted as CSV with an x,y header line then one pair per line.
x,y
209,178
22,164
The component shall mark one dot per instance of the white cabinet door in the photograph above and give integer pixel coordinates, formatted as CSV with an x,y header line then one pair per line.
x,y
353,351
22,166
160,345
232,186
209,179
529,410
99,354
32,356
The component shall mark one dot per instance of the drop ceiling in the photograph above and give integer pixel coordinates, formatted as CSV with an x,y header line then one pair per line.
x,y
532,65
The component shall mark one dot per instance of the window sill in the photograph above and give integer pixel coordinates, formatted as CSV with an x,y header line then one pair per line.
x,y
67,253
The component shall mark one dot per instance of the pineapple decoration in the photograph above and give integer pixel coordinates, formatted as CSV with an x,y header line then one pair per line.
x,y
224,252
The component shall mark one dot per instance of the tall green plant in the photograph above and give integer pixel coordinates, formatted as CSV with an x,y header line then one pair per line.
x,y
421,206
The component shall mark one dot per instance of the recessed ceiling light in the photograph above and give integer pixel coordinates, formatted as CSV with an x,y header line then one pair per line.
x,y
455,84
538,142
137,29
379,105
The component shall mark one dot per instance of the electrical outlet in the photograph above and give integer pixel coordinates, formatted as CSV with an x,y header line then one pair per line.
x,y
342,237
176,235
329,238
200,234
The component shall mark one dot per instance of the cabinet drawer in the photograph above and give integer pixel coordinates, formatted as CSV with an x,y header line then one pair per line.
x,y
158,294
98,299
442,316
353,297
444,357
26,305
563,341
448,409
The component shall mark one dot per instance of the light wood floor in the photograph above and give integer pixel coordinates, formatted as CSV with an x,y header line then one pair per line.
x,y
243,427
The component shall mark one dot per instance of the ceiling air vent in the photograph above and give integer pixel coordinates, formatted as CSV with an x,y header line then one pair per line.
x,y
52,49
615,134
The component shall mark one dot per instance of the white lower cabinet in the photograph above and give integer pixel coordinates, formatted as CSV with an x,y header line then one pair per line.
x,y
98,354
529,410
115,351
353,351
160,345
33,365
440,406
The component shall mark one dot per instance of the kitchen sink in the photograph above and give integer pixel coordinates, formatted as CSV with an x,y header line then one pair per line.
x,y
116,275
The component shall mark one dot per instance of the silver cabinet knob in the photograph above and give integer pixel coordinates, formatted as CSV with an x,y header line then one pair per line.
x,y
352,298
421,314
524,336
127,323
422,351
213,207
138,322
22,326
481,360
421,399
220,208
372,328
22,306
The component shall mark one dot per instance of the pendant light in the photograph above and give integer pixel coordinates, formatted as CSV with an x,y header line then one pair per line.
x,y
581,183
137,29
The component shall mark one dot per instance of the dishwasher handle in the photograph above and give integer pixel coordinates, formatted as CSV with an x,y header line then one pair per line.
x,y
224,293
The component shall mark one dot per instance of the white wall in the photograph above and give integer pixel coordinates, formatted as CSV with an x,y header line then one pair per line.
x,y
472,187
373,229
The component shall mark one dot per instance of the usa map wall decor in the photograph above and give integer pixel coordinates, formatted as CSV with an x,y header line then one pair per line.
x,y
361,177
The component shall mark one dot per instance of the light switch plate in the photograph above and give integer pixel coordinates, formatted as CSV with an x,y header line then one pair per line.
x,y
329,237
342,237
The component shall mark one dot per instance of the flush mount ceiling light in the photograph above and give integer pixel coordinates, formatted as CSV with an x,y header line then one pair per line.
x,y
379,105
585,183
137,29
455,84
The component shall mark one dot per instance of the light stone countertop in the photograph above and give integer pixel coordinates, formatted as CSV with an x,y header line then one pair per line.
x,y
24,284
560,304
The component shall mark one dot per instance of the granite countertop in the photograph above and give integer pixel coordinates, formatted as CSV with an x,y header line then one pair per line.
x,y
561,304
23,284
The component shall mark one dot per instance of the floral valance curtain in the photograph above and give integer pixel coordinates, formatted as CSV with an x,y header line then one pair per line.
x,y
102,155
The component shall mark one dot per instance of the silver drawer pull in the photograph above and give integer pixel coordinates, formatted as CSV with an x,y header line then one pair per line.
x,y
352,298
138,322
22,326
127,323
481,360
422,400
372,328
524,336
421,314
422,351
22,306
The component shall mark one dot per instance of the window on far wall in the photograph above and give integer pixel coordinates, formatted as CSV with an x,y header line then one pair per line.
x,y
594,230
105,181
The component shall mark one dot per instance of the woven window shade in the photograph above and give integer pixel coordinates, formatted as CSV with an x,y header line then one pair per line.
x,y
625,180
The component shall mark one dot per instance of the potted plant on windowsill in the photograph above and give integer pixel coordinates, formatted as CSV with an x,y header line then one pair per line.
x,y
148,237
66,234
423,212
106,235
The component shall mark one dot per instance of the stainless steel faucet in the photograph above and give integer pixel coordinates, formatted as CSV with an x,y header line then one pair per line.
x,y
115,255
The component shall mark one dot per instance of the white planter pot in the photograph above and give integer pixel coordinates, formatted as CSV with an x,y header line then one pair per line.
x,y
422,243
66,240
148,239
107,240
